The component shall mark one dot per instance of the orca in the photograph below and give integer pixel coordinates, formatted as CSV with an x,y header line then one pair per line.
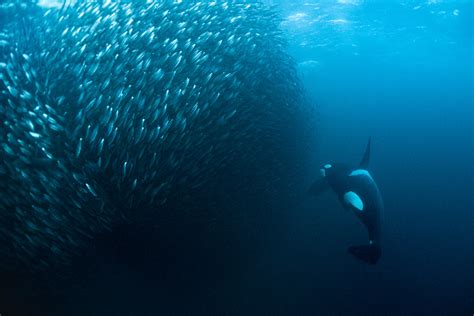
x,y
357,192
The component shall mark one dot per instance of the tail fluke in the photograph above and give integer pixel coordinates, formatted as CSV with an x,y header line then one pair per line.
x,y
368,253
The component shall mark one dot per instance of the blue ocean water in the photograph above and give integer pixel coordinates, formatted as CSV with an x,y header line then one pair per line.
x,y
402,72
398,71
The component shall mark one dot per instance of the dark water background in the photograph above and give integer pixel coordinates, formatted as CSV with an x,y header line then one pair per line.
x,y
401,72
398,71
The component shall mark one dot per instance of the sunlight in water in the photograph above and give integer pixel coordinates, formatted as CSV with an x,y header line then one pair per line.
x,y
351,2
297,17
54,3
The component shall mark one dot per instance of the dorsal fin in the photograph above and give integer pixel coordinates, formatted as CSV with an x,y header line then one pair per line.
x,y
364,163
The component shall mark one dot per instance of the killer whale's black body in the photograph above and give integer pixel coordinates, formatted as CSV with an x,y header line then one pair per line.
x,y
358,192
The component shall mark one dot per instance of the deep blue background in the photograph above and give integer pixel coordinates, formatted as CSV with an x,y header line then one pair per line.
x,y
403,73
400,71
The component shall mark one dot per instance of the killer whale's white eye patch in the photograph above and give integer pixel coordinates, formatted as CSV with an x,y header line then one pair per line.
x,y
354,200
323,169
